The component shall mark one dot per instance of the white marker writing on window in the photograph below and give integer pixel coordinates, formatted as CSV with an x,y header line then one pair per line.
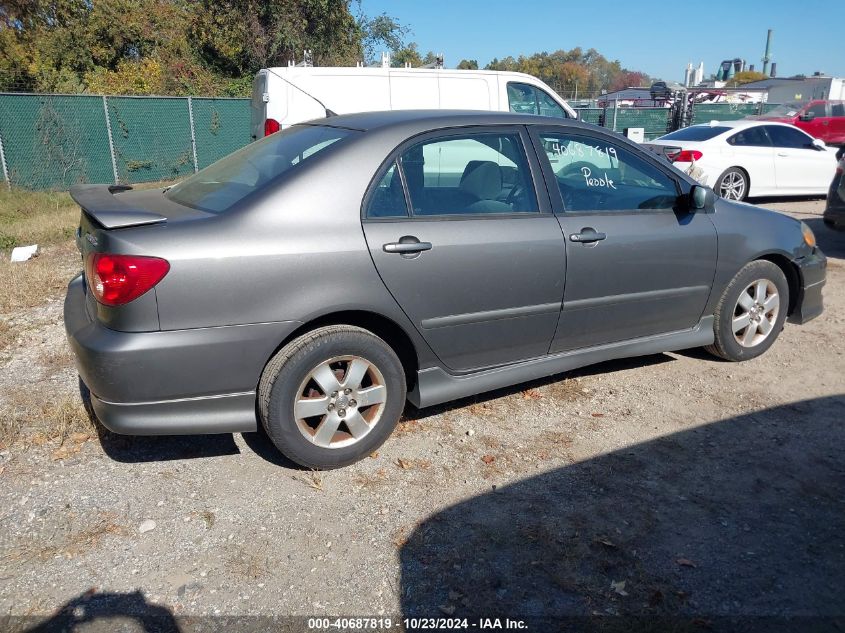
x,y
597,181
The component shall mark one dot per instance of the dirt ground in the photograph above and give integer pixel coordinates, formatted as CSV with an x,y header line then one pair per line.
x,y
674,486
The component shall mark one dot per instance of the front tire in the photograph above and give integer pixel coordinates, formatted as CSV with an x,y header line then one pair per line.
x,y
751,312
733,184
331,397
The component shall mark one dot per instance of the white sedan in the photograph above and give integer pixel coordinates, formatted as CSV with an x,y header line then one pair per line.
x,y
750,158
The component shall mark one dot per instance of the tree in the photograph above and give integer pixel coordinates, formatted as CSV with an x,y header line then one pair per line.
x,y
409,55
382,31
176,46
746,77
568,71
468,64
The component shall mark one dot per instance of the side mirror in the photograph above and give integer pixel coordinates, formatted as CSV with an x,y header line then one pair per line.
x,y
701,197
819,144
807,116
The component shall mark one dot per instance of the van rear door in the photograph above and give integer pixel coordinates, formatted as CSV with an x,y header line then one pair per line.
x,y
260,97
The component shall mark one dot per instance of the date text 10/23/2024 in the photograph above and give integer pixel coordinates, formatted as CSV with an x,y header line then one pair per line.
x,y
414,624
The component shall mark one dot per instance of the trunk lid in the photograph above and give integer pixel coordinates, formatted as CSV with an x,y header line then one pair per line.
x,y
101,204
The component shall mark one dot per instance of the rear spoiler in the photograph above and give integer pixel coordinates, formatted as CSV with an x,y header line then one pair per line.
x,y
110,211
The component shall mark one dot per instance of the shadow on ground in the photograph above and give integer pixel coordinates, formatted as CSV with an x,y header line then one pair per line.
x,y
737,525
106,612
606,367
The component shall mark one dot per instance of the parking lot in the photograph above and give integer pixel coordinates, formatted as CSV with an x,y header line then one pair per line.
x,y
673,485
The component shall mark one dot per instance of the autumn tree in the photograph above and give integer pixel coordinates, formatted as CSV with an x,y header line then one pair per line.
x,y
746,77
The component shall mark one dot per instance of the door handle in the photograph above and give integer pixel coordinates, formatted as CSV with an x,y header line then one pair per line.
x,y
782,154
407,245
587,235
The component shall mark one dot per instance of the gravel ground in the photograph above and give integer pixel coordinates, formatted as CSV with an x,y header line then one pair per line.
x,y
672,486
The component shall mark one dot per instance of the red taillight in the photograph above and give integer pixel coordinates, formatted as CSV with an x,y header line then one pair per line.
x,y
119,279
685,156
271,126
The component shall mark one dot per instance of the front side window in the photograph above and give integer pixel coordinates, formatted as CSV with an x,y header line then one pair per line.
x,y
751,137
527,99
594,174
218,187
548,106
790,137
469,174
522,99
817,110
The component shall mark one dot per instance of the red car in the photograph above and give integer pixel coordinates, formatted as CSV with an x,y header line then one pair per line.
x,y
819,119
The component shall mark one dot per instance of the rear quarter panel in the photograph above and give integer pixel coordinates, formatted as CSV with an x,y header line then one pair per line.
x,y
297,254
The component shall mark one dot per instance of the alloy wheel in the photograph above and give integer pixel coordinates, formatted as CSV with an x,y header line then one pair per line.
x,y
732,186
755,313
340,401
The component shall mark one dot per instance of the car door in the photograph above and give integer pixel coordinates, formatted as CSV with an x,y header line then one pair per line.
x,y
751,148
815,120
799,166
459,226
638,263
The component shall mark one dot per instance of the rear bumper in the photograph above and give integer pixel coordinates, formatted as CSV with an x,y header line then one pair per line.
x,y
834,213
812,271
200,380
230,413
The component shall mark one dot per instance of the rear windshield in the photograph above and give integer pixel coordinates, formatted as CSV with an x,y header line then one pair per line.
x,y
696,133
220,186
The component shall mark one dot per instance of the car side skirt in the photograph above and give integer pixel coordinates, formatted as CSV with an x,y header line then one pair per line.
x,y
435,386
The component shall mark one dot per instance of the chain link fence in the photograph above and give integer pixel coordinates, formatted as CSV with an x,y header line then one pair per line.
x,y
54,141
51,141
655,121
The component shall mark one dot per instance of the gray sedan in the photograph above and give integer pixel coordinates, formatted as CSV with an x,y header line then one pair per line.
x,y
315,280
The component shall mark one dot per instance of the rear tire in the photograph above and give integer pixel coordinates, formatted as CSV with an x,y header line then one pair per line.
x,y
331,397
751,312
733,184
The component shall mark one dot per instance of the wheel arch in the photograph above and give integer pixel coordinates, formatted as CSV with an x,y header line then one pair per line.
x,y
790,271
383,327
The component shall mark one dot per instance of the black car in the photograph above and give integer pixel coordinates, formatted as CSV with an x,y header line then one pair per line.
x,y
834,212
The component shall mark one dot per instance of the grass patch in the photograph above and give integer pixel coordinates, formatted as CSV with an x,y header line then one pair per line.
x,y
27,417
34,282
35,217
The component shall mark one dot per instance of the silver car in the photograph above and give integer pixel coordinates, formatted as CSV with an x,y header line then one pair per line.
x,y
315,280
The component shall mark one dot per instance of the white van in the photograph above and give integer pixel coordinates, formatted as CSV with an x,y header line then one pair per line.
x,y
282,97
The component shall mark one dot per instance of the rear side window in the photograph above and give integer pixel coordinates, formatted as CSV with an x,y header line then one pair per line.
x,y
388,198
751,137
220,186
469,174
837,109
784,136
696,133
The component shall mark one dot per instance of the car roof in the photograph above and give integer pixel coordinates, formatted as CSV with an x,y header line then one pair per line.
x,y
433,119
741,123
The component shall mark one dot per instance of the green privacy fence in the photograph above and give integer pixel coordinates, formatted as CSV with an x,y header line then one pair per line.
x,y
655,121
54,141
